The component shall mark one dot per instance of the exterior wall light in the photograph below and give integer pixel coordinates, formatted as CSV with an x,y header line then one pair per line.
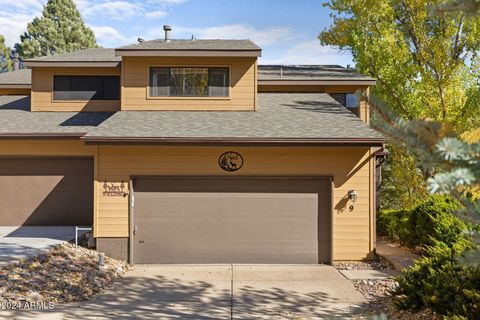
x,y
353,195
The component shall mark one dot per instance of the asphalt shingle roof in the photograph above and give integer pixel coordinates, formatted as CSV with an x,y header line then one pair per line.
x,y
15,117
308,72
86,55
279,115
200,44
22,77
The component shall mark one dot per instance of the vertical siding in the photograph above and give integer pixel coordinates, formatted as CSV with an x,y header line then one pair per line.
x,y
135,83
42,90
350,168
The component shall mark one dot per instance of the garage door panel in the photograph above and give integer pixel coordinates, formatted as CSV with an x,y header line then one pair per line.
x,y
231,220
268,230
267,252
46,191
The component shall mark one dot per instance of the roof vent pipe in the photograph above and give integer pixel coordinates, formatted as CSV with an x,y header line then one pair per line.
x,y
16,61
167,30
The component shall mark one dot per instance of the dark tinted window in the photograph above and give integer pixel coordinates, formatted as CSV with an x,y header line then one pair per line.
x,y
189,82
218,82
349,100
86,88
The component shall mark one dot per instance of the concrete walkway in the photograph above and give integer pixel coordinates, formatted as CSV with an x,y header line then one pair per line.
x,y
399,257
219,292
18,243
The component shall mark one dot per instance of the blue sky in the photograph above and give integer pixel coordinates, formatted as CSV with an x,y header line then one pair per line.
x,y
286,29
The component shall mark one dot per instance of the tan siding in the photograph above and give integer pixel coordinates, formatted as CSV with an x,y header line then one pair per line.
x,y
52,148
350,168
14,92
42,90
136,77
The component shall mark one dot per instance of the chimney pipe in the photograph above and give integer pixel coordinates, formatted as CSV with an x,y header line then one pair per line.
x,y
167,30
16,61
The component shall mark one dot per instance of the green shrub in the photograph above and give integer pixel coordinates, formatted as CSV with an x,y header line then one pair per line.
x,y
425,224
438,282
394,224
434,221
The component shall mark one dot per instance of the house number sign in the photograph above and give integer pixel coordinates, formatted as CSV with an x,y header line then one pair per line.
x,y
230,161
114,190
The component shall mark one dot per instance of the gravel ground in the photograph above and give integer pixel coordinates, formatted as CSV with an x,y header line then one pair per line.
x,y
377,292
65,274
377,264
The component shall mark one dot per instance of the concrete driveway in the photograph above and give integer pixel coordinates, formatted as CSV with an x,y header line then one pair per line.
x,y
18,243
221,292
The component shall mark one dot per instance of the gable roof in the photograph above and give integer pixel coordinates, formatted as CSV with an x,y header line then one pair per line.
x,y
306,72
197,44
311,74
204,47
281,118
16,79
95,57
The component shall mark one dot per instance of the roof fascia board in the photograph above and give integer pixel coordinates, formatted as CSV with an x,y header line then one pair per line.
x,y
236,141
83,64
316,82
187,53
43,135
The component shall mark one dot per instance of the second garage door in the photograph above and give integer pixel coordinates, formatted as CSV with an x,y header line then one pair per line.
x,y
232,220
46,191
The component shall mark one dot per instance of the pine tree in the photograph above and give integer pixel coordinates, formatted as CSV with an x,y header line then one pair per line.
x,y
60,29
5,56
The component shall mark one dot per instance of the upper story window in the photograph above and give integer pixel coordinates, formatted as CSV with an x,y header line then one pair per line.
x,y
86,88
189,82
349,100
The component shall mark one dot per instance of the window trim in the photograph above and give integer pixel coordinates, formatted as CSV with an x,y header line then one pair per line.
x,y
52,100
149,67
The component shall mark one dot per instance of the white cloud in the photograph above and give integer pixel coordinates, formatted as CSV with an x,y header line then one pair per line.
x,y
311,52
167,2
156,14
15,16
24,5
118,10
13,25
262,37
108,36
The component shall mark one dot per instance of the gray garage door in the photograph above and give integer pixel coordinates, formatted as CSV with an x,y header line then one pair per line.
x,y
232,220
46,191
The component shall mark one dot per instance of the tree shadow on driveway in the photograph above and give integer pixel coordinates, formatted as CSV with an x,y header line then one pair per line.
x,y
162,297
157,296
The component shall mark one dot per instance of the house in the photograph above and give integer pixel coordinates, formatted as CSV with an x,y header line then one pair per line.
x,y
188,151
